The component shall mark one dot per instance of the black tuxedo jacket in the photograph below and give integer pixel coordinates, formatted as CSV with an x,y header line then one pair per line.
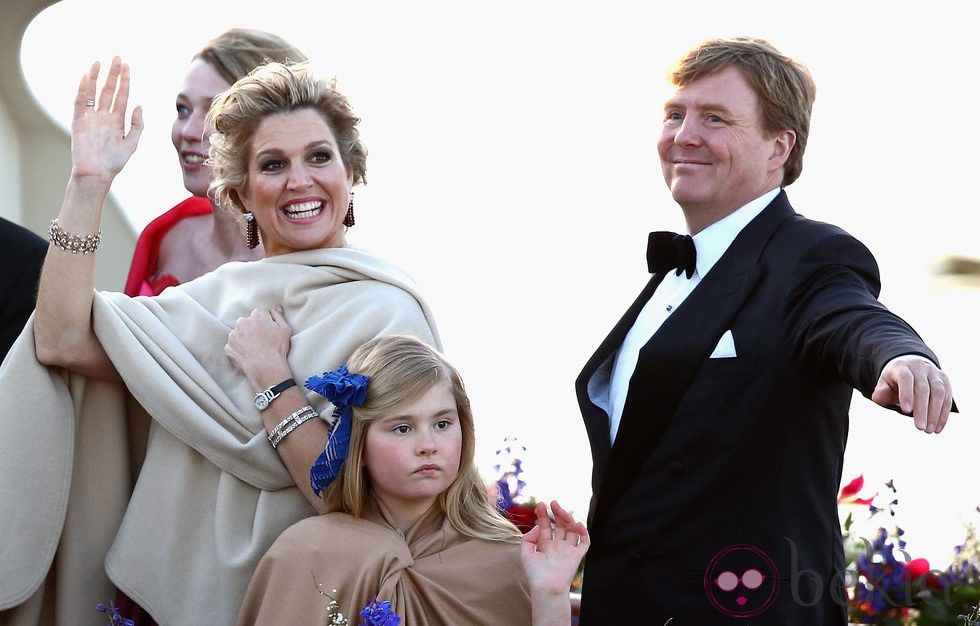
x,y
23,254
734,464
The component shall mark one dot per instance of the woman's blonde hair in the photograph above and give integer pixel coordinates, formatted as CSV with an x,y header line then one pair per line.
x,y
400,368
268,90
237,51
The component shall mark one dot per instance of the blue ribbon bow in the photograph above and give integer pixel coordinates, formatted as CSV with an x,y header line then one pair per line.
x,y
344,390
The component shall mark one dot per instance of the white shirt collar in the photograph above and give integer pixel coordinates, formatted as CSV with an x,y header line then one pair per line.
x,y
713,241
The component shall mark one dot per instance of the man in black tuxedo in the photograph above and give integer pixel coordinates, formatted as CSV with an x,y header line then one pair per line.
x,y
23,254
717,408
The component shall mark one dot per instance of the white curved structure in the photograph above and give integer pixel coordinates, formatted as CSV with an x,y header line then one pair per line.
x,y
34,155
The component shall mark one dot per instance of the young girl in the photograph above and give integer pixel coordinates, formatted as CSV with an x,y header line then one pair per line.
x,y
408,528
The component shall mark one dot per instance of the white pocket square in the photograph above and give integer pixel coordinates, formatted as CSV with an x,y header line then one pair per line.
x,y
725,348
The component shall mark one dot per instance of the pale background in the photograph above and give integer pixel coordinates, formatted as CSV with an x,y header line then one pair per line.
x,y
513,172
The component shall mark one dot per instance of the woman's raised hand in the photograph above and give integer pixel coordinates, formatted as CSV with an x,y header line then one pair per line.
x,y
100,142
100,147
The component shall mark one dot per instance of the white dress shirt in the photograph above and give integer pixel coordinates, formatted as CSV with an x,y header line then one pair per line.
x,y
608,386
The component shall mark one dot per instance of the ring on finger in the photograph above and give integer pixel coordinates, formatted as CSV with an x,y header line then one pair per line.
x,y
90,103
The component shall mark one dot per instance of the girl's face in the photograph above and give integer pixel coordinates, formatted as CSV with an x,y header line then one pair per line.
x,y
189,132
298,184
412,454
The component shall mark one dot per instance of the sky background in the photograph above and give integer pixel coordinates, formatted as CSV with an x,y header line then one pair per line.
x,y
513,171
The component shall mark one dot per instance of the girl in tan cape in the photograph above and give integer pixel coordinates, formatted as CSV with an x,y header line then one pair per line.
x,y
410,535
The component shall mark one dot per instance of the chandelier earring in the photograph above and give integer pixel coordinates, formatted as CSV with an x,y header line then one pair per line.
x,y
349,218
251,231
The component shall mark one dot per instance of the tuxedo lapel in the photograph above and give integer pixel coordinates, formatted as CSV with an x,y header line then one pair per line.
x,y
596,420
664,370
615,338
670,359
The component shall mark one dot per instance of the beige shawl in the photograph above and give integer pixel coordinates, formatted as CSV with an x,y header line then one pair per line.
x,y
212,494
432,574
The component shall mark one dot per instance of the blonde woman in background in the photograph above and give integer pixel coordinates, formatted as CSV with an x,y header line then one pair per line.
x,y
196,236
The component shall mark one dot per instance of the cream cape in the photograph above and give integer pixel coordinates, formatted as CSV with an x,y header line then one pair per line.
x,y
432,574
212,494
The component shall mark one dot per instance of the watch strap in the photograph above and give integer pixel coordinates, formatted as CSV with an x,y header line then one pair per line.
x,y
283,386
272,393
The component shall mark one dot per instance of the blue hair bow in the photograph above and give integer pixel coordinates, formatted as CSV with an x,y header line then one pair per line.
x,y
344,390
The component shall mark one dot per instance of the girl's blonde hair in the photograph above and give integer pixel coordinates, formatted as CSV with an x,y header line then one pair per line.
x,y
401,368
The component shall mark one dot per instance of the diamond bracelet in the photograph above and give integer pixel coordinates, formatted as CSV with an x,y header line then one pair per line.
x,y
290,423
73,243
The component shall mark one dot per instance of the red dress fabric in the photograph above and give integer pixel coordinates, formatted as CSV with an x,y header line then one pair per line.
x,y
144,263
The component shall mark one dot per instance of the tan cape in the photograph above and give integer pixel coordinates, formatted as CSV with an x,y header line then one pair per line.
x,y
212,494
431,574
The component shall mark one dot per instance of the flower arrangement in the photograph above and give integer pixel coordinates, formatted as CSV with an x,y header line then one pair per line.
x,y
957,592
887,587
115,619
511,499
374,614
973,619
509,492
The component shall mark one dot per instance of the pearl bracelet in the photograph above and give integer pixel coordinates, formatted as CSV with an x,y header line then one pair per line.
x,y
290,423
73,243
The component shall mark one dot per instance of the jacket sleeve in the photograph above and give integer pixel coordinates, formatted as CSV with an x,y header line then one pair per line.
x,y
833,318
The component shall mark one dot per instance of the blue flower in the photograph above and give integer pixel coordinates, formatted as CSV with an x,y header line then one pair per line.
x,y
115,619
375,613
379,614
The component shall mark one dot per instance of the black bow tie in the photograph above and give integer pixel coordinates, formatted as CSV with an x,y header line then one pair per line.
x,y
667,251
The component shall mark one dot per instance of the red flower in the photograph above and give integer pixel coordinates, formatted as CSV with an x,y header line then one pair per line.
x,y
848,493
916,568
522,516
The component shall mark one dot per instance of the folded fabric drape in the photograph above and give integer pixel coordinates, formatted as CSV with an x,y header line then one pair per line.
x,y
212,494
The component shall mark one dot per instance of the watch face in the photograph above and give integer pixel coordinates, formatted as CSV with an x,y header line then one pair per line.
x,y
261,402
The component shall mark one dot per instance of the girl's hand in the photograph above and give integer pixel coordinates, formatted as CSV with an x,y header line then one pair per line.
x,y
551,552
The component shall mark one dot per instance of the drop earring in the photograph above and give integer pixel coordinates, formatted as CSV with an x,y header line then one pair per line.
x,y
349,218
251,231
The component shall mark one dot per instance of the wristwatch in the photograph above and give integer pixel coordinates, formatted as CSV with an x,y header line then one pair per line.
x,y
263,398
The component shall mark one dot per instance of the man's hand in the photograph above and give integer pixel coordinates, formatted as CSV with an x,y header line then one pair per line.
x,y
918,388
